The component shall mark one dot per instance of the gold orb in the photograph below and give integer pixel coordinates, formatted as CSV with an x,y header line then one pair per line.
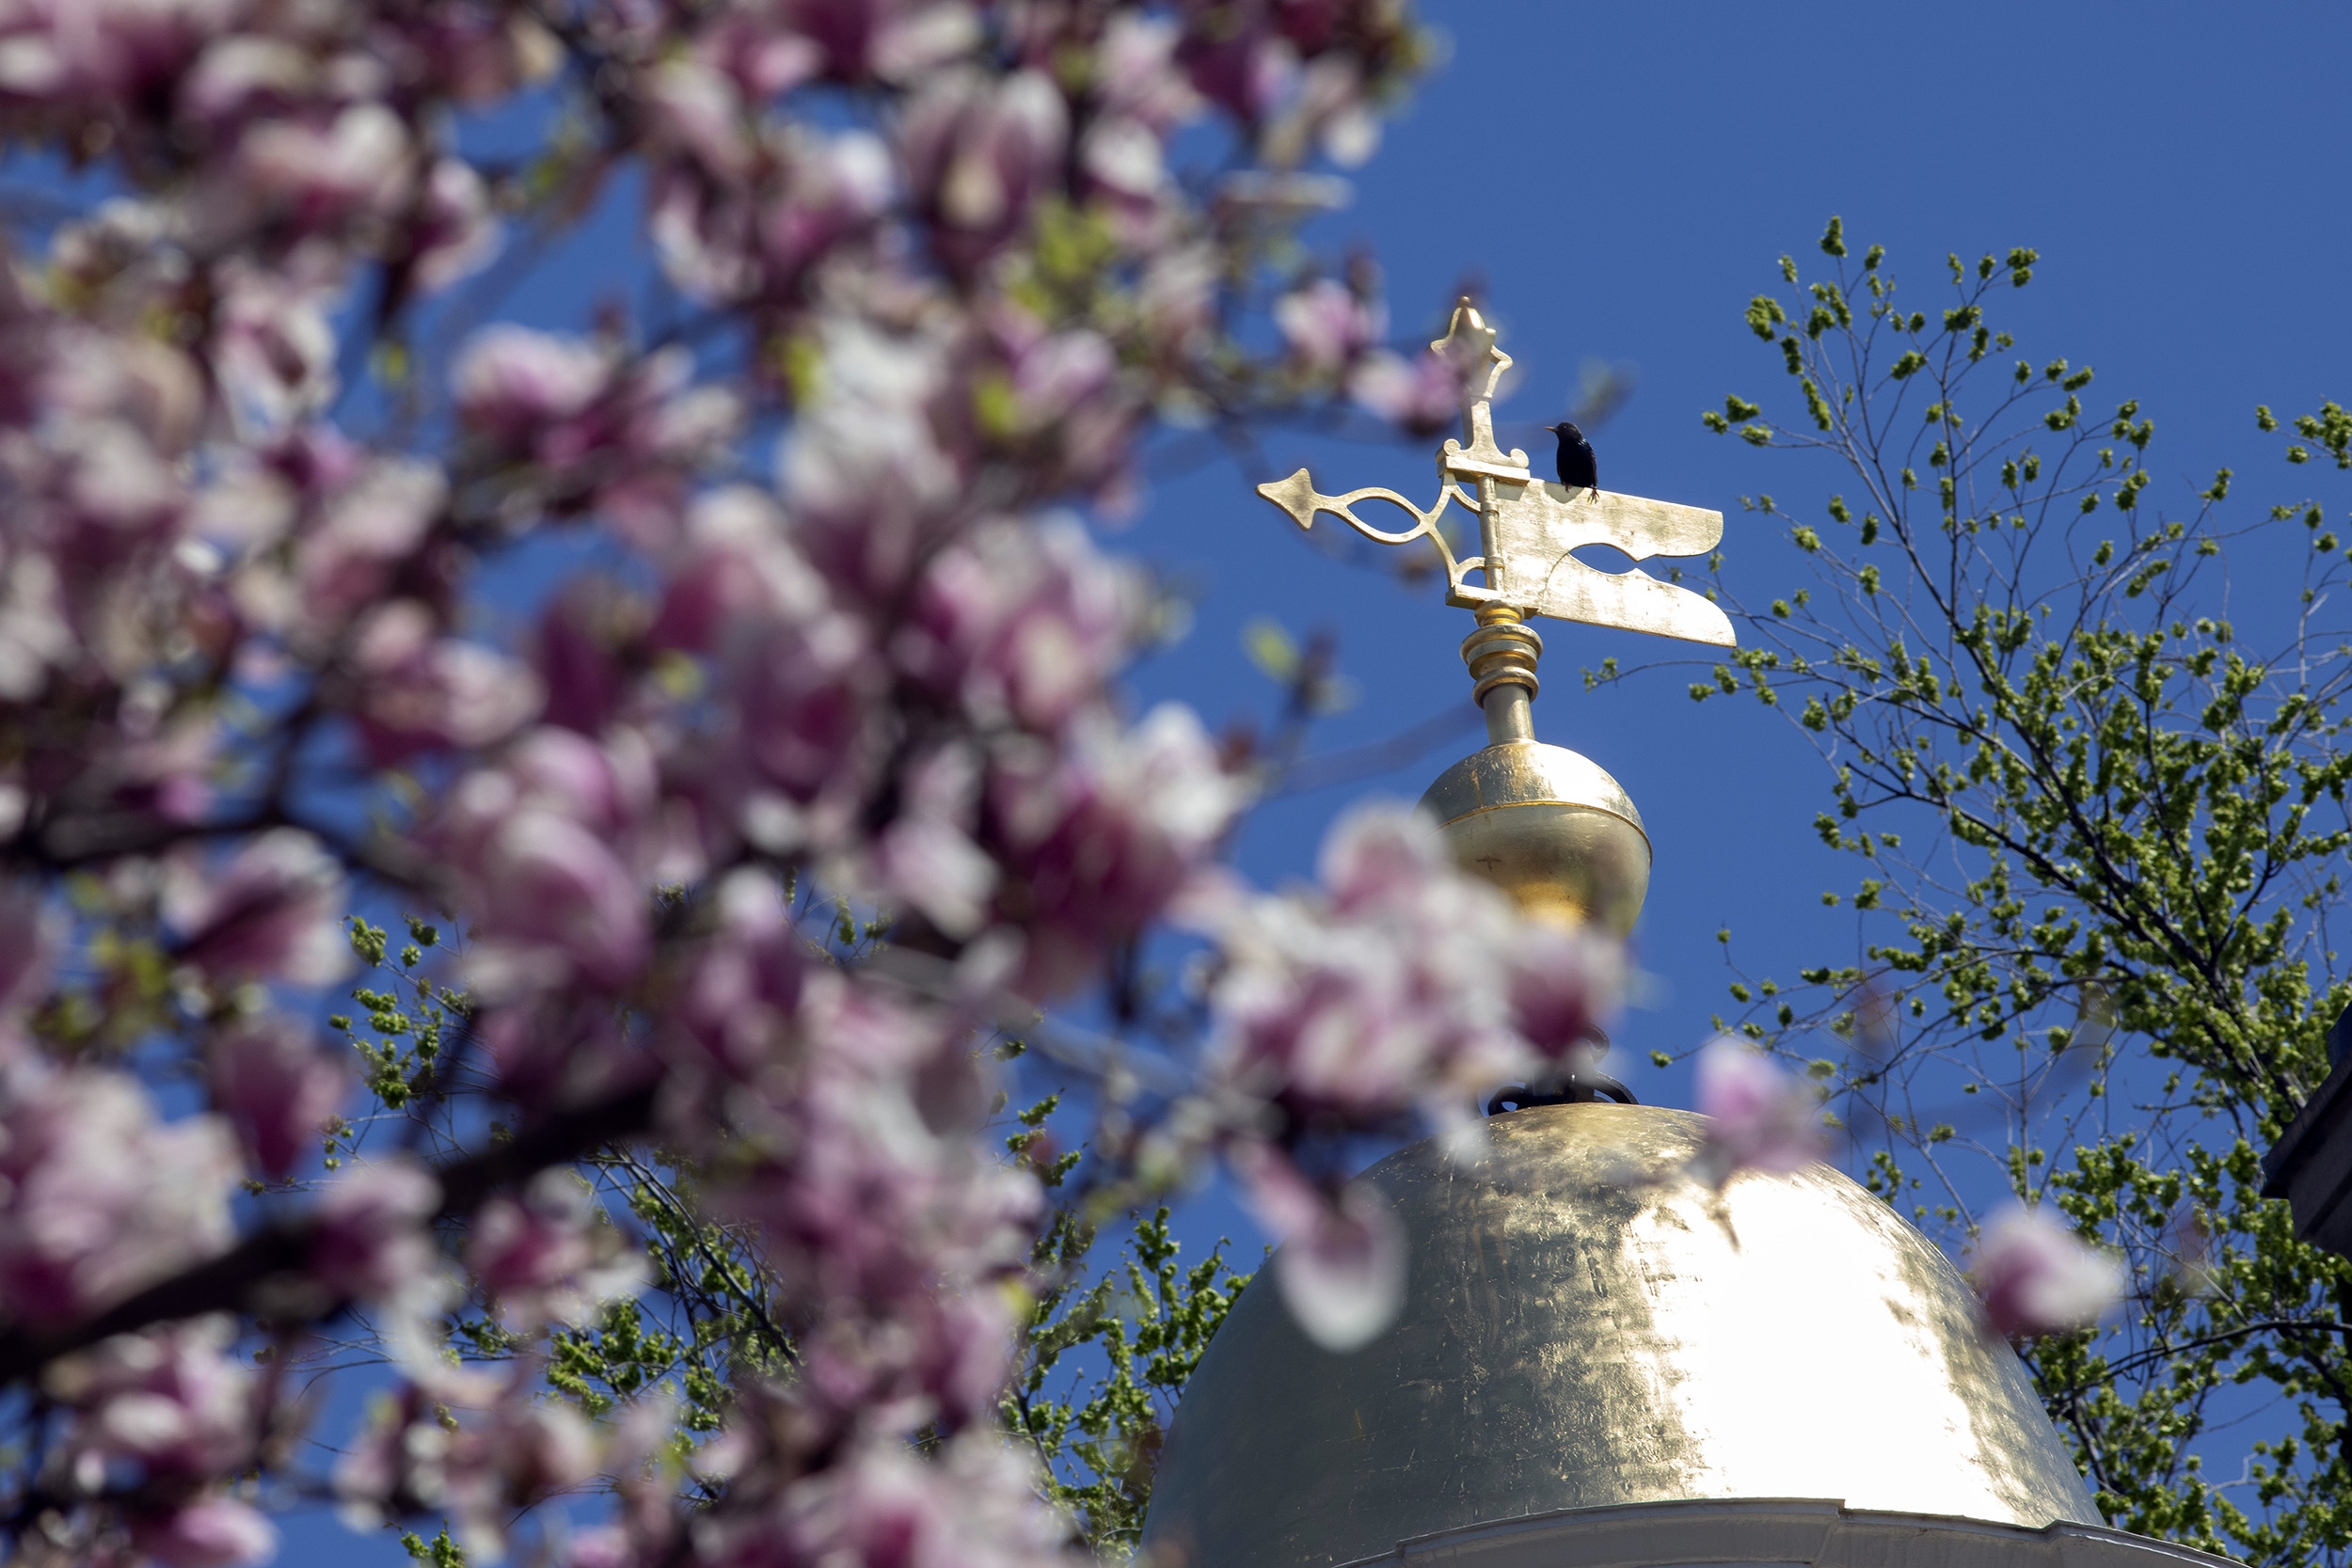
x,y
1549,828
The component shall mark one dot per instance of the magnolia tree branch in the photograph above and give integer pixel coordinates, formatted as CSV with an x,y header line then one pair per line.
x,y
252,1277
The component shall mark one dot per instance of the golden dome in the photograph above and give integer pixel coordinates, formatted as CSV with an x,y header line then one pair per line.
x,y
1585,1326
1550,828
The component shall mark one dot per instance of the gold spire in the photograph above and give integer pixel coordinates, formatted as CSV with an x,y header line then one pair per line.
x,y
1543,823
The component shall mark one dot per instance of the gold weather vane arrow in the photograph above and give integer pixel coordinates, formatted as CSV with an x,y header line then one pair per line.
x,y
1530,527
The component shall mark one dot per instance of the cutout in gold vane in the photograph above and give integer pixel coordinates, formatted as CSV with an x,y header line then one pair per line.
x,y
1547,826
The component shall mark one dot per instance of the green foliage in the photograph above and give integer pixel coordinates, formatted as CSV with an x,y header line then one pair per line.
x,y
2098,937
440,1552
1146,1321
411,1021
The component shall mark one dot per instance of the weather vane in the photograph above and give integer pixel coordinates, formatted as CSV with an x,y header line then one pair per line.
x,y
1529,531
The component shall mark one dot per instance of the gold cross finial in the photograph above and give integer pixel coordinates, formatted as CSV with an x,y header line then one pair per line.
x,y
1469,346
1530,527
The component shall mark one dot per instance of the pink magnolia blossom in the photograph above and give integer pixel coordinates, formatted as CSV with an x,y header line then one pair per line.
x,y
30,939
736,568
933,866
362,529
1326,327
275,1086
880,1508
1248,68
100,1197
806,690
170,1399
525,390
1761,1118
111,48
478,1446
583,652
741,1005
275,348
1562,986
1021,622
455,233
2035,1275
1094,847
372,1244
774,48
1422,395
979,152
1140,76
1342,1263
423,692
215,1532
542,1257
315,175
841,186
866,475
561,906
1358,1001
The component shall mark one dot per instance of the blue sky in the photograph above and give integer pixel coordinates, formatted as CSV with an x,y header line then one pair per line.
x,y
1625,179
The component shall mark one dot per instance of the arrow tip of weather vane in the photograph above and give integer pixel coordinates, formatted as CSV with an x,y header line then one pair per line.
x,y
1295,495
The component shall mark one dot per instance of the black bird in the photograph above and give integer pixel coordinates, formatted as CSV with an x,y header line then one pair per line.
x,y
1578,467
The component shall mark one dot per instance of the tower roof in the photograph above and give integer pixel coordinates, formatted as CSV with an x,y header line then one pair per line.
x,y
1584,1325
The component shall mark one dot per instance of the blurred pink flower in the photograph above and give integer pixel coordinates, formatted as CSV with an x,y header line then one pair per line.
x,y
838,188
1097,841
217,1532
1343,1261
317,175
1421,396
976,1504
421,691
168,1399
274,912
979,150
1248,66
369,520
1377,995
857,41
371,1243
559,907
275,1086
542,1258
2036,1275
1760,1116
1564,986
97,1198
455,1439
29,938
1326,327
1139,75
740,1002
1022,623
455,233
274,347
522,389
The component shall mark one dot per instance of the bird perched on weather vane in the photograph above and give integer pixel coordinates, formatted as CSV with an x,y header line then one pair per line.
x,y
1577,467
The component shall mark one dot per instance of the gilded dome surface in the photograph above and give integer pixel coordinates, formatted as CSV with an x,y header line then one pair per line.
x,y
1584,1326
